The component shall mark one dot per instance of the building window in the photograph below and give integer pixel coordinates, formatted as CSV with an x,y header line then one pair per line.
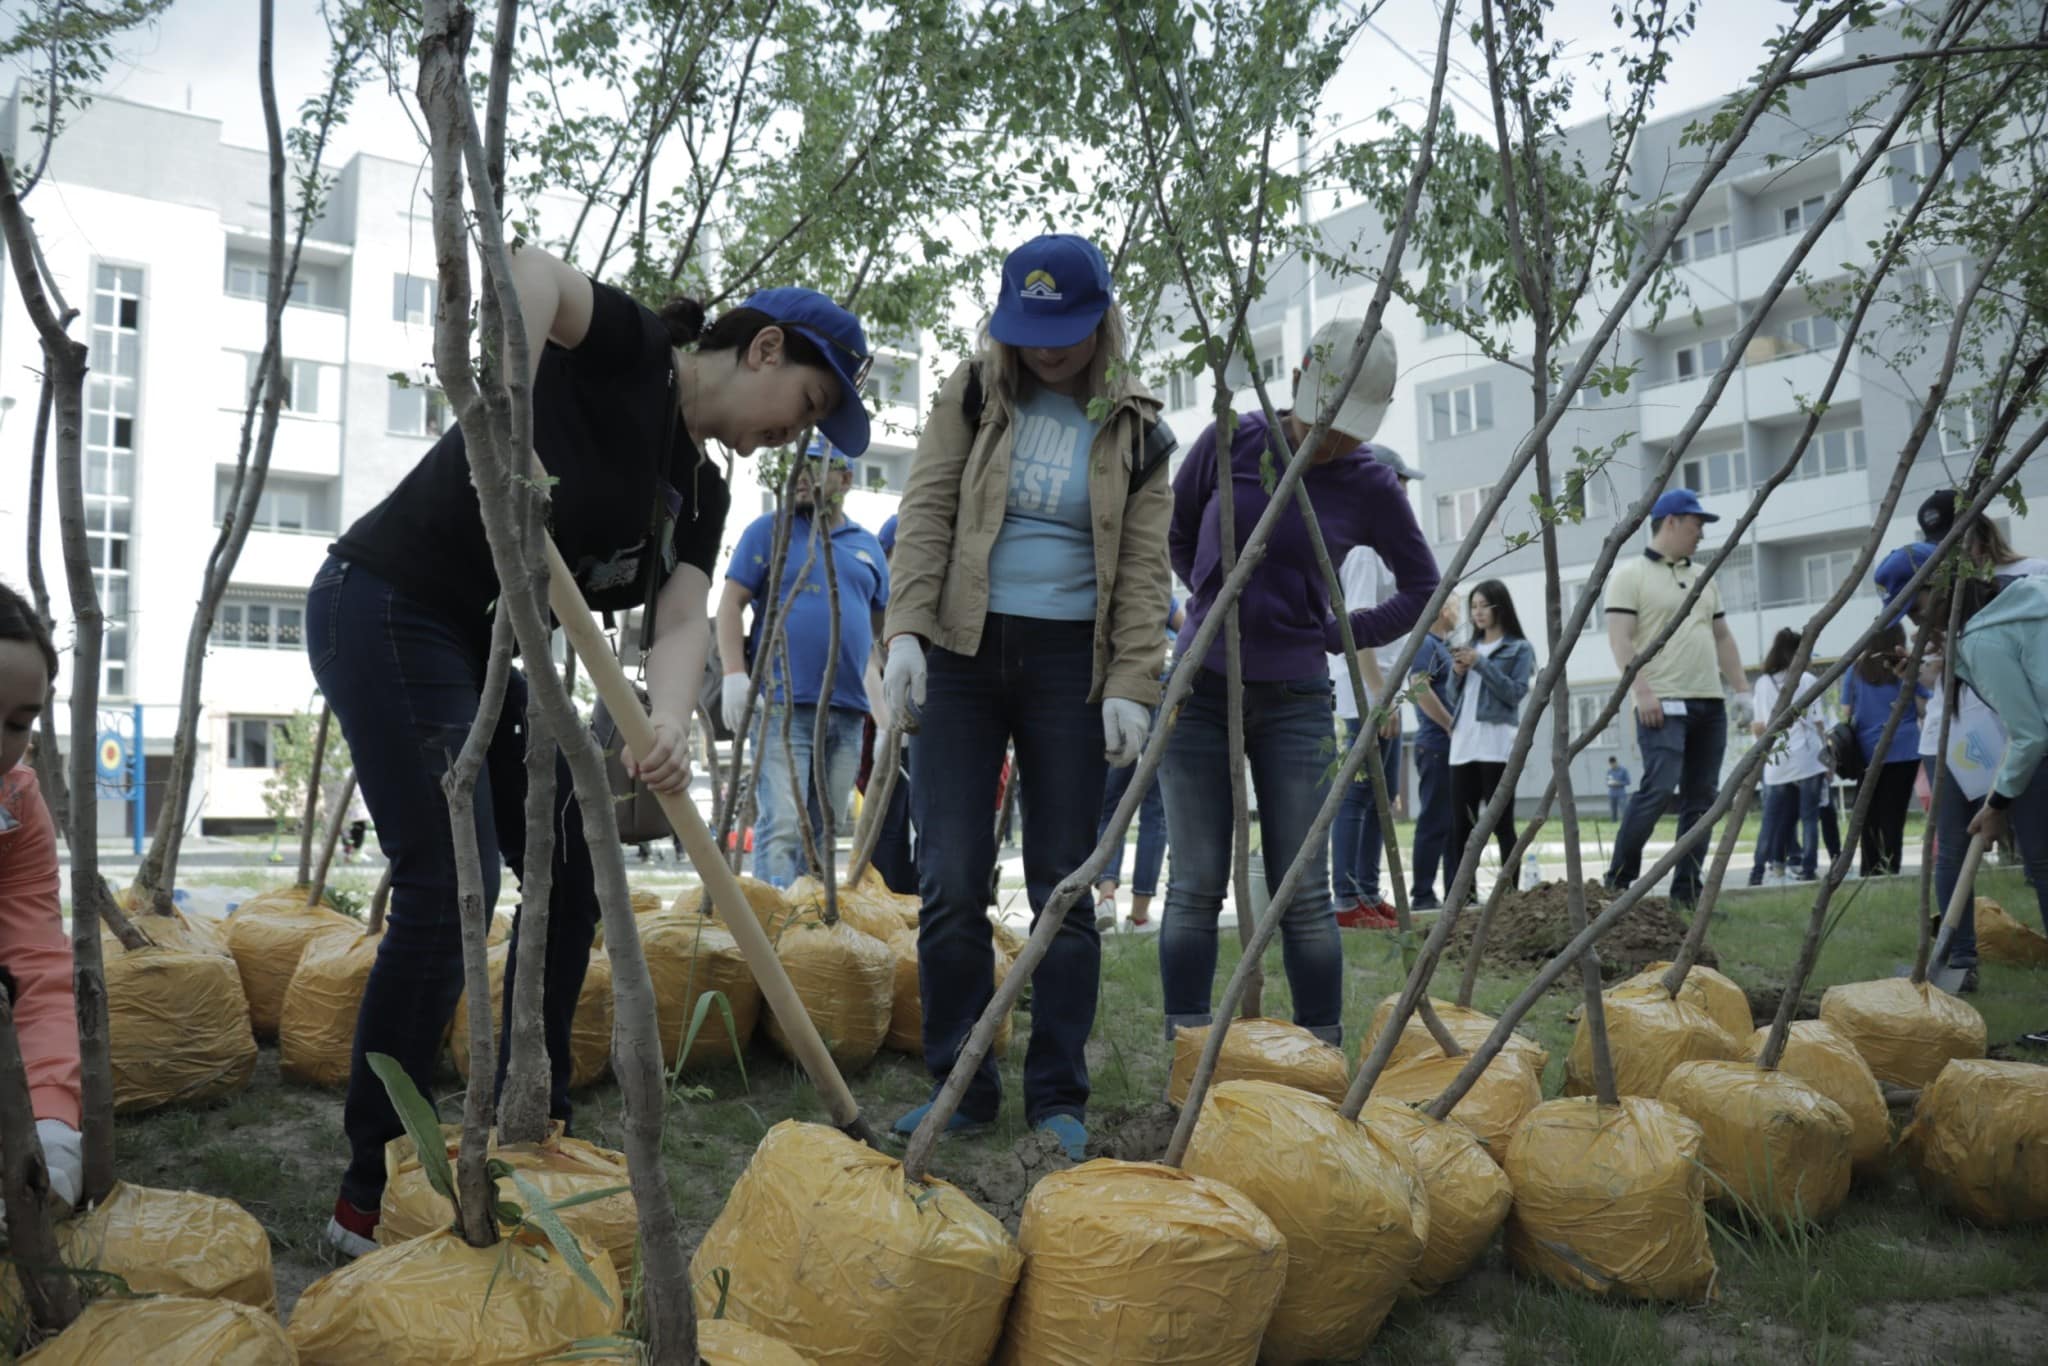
x,y
1944,281
881,470
111,393
1457,299
1737,578
249,624
1816,333
1454,412
1183,390
1797,218
412,300
415,410
1961,429
1457,512
1586,709
1913,163
1267,347
1699,358
290,503
1825,572
252,741
306,391
1715,472
1700,244
313,286
1834,452
891,381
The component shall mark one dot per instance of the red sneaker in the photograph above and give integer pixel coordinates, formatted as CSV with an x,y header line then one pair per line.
x,y
352,1232
1367,915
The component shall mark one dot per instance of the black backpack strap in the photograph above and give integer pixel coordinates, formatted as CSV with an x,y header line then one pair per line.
x,y
972,399
1151,449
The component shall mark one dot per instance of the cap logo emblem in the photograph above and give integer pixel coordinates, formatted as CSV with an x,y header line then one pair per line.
x,y
1039,284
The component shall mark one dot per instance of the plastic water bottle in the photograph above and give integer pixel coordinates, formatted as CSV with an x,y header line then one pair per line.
x,y
1532,873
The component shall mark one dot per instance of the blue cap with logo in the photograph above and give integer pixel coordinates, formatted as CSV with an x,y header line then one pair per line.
x,y
1896,570
821,449
1680,503
1055,291
836,333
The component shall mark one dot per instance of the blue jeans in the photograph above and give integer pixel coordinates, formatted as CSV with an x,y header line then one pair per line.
x,y
778,836
1615,797
1432,821
1791,826
895,856
1028,686
1289,740
2028,816
1151,829
1682,761
1355,837
404,683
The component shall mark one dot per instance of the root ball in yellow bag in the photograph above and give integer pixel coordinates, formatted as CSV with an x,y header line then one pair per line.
x,y
317,1027
1493,1109
767,902
1906,1032
1346,1197
168,1331
1979,1140
267,937
1469,1027
1468,1193
177,1027
1261,1050
590,1036
688,957
869,910
1773,1145
831,1250
424,1303
1824,1060
847,982
560,1167
906,1008
1648,1034
173,1242
191,933
2002,939
1137,1263
1726,1003
722,1342
1611,1200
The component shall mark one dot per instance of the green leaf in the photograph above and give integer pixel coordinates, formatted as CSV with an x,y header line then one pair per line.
x,y
544,1218
732,1031
421,1125
588,1197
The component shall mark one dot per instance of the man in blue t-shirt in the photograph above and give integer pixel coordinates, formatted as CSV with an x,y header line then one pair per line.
x,y
862,571
1617,787
1430,676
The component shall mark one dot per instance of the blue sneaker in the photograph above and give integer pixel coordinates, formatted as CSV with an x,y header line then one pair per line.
x,y
958,1124
1072,1134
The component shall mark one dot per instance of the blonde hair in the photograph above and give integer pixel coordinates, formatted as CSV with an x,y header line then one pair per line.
x,y
1007,374
1988,540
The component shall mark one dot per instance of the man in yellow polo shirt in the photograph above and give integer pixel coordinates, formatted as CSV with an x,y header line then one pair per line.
x,y
1681,720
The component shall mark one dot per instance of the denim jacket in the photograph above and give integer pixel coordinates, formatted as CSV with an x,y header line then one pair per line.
x,y
1505,677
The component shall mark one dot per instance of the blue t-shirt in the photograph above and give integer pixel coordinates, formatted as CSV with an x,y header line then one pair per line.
x,y
1870,706
863,590
1434,659
1617,777
1043,561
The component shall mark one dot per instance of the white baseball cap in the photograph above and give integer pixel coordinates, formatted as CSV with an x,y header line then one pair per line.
x,y
1329,355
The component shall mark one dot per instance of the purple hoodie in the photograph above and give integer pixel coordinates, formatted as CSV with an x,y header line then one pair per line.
x,y
1284,616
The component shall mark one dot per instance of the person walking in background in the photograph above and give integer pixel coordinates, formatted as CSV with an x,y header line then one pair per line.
x,y
1429,681
1489,679
1151,855
1617,787
1869,691
1286,629
1681,719
1794,773
1031,580
788,773
1355,837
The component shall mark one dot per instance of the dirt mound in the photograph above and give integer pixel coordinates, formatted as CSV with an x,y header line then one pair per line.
x,y
1532,927
1002,1182
1763,1003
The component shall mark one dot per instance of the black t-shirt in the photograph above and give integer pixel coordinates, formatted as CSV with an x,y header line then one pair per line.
x,y
601,415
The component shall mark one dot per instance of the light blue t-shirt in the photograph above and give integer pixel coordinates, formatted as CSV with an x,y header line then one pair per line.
x,y
1043,561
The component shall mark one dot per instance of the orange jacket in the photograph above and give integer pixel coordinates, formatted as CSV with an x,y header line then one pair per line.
x,y
35,948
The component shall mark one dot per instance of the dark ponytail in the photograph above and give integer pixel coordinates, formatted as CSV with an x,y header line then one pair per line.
x,y
18,621
734,330
684,319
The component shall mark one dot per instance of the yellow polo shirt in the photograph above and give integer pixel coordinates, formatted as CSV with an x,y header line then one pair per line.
x,y
1650,589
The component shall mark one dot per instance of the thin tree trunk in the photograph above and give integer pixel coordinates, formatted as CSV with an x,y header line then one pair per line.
x,y
771,612
49,759
336,819
821,729
874,810
311,815
51,1291
529,1078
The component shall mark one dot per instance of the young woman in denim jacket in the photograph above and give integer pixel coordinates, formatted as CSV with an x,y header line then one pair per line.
x,y
1489,679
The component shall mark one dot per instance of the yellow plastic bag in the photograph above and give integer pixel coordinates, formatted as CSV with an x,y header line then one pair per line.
x,y
847,982
1979,1140
868,910
168,1332
561,1167
1819,1056
1132,1263
267,936
2002,939
688,957
177,1027
644,902
906,1009
1468,1193
1724,1002
768,904
1261,1050
1611,1200
191,933
422,1303
590,1035
724,1342
317,1027
1346,1197
831,1250
165,1242
1773,1145
1008,941
1469,1027
1648,1034
1906,1033
1493,1109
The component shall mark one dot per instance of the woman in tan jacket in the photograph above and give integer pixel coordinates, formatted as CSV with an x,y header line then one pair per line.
x,y
1029,581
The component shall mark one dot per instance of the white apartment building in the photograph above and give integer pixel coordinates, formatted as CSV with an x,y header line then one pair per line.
x,y
157,232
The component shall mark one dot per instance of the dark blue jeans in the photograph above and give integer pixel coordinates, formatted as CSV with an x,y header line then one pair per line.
x,y
1289,741
1028,686
1151,829
1355,837
404,683
1682,762
1432,820
1791,827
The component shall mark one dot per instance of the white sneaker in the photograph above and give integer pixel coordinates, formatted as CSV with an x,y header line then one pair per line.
x,y
347,1241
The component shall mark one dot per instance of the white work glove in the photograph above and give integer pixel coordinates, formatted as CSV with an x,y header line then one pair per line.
x,y
1124,725
732,699
65,1158
903,681
1742,709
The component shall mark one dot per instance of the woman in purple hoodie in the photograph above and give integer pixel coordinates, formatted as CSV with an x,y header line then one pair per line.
x,y
1286,628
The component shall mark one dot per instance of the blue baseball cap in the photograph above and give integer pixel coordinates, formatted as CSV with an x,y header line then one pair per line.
x,y
821,449
887,536
1680,503
1055,291
836,333
1896,570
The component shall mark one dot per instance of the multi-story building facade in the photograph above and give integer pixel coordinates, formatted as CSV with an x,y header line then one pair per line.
x,y
157,231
